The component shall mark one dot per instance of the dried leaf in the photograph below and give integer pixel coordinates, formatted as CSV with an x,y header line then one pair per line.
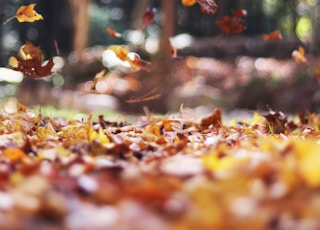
x,y
30,67
188,2
275,35
113,33
208,6
215,119
148,16
14,154
30,62
230,25
239,13
299,55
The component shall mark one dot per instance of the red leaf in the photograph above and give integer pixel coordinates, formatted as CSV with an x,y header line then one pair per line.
x,y
148,17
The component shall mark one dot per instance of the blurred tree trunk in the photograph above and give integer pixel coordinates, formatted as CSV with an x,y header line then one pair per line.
x,y
139,9
80,17
164,59
315,46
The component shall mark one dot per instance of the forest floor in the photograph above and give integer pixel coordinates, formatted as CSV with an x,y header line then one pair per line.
x,y
201,168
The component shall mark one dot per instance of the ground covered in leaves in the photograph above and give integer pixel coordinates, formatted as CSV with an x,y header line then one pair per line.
x,y
177,171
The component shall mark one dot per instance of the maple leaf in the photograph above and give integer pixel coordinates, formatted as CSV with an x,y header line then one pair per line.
x,y
299,55
30,62
26,13
275,35
113,33
208,6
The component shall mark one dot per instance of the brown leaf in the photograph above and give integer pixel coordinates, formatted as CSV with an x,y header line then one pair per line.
x,y
214,119
31,67
30,62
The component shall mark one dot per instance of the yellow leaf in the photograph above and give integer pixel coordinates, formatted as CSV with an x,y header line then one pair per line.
x,y
120,51
28,14
214,163
102,137
308,154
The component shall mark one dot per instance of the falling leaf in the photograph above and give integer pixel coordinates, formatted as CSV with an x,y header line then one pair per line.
x,y
173,50
230,25
148,16
239,13
188,2
275,35
30,62
120,51
208,6
26,14
123,54
299,55
113,33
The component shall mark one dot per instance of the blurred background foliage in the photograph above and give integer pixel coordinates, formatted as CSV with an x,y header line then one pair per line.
x,y
78,27
294,18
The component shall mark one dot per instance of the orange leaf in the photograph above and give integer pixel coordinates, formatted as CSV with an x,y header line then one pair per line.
x,y
208,6
275,35
299,55
188,2
14,154
28,14
113,33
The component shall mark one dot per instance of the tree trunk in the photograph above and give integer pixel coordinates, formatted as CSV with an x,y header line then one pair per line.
x,y
80,17
315,46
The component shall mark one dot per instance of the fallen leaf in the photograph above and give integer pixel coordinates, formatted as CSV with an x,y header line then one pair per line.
x,y
214,119
14,154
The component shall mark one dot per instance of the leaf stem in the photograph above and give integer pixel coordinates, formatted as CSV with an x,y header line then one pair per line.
x,y
9,19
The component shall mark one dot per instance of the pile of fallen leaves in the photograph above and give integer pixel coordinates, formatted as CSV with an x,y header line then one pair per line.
x,y
162,172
